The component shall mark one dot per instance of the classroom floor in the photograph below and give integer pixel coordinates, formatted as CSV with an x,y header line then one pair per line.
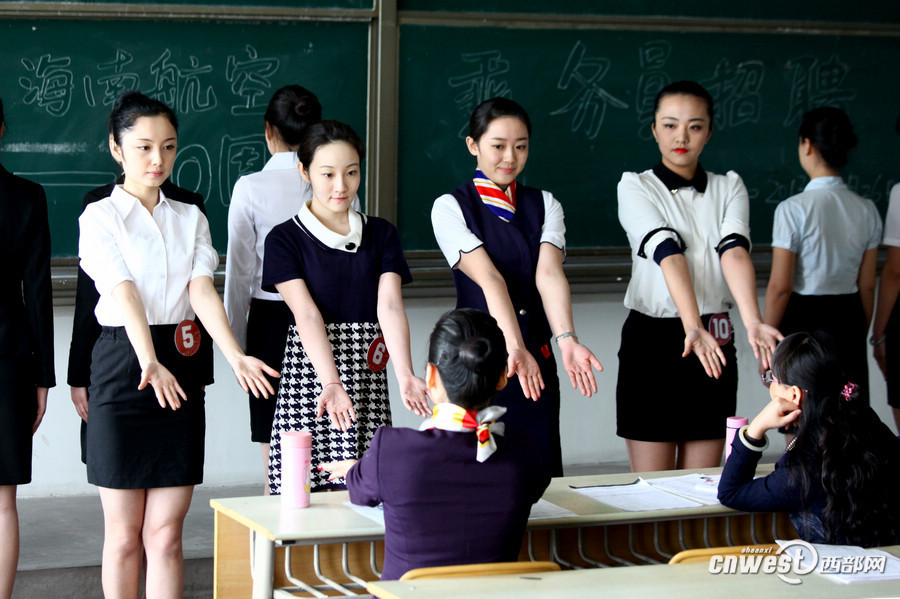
x,y
62,540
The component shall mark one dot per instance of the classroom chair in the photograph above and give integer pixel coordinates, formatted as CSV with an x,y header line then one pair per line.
x,y
493,569
703,554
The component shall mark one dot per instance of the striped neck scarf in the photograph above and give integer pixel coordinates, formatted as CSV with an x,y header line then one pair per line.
x,y
502,203
451,417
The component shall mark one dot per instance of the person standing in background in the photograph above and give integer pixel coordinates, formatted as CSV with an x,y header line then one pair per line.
x,y
26,346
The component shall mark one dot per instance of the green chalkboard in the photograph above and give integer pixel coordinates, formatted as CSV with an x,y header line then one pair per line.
x,y
873,11
61,77
590,96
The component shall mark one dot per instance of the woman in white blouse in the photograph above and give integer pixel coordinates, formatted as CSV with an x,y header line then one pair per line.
x,y
260,319
689,237
152,261
825,248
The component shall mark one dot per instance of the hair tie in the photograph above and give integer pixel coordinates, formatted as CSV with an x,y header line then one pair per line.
x,y
849,390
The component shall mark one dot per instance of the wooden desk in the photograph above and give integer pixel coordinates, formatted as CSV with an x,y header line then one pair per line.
x,y
339,548
681,581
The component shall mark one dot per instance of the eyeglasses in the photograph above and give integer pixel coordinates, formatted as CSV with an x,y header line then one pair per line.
x,y
768,378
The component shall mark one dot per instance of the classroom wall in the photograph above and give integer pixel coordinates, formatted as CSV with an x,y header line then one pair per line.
x,y
587,427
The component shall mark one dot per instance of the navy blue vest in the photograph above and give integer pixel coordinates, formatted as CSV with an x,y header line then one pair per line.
x,y
513,248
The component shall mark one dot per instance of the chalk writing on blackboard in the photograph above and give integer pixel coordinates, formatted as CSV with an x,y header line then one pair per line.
x,y
814,83
239,156
582,75
50,84
251,80
736,92
482,82
653,58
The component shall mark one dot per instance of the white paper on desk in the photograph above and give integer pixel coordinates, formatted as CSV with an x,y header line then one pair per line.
x,y
702,488
831,558
543,510
638,496
372,513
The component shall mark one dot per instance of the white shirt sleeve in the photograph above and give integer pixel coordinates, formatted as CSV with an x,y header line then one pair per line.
x,y
240,261
554,229
785,228
639,215
453,235
892,220
206,258
736,217
99,250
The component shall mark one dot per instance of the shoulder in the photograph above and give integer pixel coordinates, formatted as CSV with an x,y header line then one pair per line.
x,y
641,183
179,194
97,194
19,186
379,226
730,180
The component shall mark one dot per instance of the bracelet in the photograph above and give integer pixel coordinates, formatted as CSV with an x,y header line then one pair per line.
x,y
873,341
759,446
327,384
562,336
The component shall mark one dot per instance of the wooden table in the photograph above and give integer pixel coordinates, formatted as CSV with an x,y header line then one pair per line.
x,y
340,549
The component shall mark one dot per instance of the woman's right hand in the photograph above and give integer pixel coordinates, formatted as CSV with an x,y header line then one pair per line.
x,y
703,345
337,403
520,362
164,385
777,413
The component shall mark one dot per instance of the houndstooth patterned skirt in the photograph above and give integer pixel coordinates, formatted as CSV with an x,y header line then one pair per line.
x,y
299,391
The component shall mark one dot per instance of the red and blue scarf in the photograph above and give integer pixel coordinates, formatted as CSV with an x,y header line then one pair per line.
x,y
451,417
502,203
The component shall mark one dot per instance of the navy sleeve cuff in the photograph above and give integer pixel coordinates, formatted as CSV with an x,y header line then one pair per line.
x,y
665,249
732,241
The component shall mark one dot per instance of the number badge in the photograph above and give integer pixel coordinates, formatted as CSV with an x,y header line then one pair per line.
x,y
720,328
187,338
378,355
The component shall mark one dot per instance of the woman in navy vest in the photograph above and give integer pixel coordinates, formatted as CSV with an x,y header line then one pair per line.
x,y
505,243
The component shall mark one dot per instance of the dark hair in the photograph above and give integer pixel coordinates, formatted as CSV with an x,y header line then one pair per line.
x,y
469,352
829,130
132,105
687,88
841,438
326,132
495,108
291,110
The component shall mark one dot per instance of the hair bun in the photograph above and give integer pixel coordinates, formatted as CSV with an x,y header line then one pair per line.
x,y
474,354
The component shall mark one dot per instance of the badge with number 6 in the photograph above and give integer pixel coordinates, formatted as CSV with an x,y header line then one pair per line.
x,y
378,355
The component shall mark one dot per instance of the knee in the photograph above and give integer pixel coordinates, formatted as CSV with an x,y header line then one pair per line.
x,y
164,541
124,542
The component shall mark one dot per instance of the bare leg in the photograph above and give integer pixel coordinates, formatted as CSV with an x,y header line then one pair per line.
x,y
897,418
648,456
700,454
9,533
264,448
123,518
163,527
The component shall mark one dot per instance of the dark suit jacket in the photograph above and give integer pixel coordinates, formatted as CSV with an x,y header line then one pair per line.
x,y
441,506
86,329
26,304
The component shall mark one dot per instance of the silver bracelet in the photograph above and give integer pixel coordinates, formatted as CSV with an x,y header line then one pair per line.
x,y
873,341
562,336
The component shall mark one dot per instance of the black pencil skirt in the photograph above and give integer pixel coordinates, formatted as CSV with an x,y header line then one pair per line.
x,y
267,330
132,442
18,409
661,396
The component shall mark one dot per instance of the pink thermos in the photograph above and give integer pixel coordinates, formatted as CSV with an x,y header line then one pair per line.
x,y
732,426
296,455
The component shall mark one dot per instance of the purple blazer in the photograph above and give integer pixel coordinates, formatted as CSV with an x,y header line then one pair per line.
x,y
442,507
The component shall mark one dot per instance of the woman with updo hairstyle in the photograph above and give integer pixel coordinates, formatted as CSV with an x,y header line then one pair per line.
x,y
825,248
505,245
458,490
840,476
260,319
340,273
689,231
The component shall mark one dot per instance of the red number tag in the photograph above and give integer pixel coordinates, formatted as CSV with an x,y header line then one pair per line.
x,y
378,355
187,338
720,328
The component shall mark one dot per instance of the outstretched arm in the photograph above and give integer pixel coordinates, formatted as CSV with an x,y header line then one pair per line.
x,y
553,286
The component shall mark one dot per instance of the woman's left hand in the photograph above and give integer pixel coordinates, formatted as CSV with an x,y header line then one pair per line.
x,y
414,393
41,408
249,373
763,339
580,363
337,469
777,413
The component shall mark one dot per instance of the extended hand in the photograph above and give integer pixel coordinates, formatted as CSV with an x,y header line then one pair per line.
x,y
580,363
763,339
167,389
337,403
414,393
520,362
250,373
707,350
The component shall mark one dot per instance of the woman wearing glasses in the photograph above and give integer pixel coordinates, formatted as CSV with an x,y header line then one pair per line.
x,y
825,248
689,236
840,477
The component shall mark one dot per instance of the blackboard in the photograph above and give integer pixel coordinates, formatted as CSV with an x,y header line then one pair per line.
x,y
590,94
61,77
873,11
